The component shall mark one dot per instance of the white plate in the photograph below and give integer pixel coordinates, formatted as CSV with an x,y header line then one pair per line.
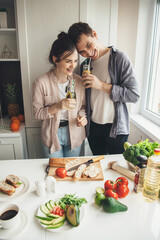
x,y
67,226
10,233
23,188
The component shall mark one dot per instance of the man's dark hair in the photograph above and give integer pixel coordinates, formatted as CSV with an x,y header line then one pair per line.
x,y
77,29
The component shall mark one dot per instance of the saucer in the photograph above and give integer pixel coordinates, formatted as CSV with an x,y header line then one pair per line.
x,y
10,233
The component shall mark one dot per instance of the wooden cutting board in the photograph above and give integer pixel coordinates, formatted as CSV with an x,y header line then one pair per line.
x,y
100,177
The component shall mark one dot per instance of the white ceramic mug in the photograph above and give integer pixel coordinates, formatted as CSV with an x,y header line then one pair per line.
x,y
9,216
51,184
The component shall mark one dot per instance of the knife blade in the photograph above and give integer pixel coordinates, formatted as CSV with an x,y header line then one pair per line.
x,y
88,162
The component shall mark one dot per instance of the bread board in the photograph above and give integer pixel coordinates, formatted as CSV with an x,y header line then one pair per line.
x,y
100,177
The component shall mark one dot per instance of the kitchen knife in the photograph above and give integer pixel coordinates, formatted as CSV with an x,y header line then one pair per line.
x,y
88,162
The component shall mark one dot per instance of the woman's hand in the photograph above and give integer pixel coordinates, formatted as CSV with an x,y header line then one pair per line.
x,y
68,103
81,121
64,104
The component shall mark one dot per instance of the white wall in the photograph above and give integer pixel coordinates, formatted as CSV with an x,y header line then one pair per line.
x,y
127,27
134,22
136,134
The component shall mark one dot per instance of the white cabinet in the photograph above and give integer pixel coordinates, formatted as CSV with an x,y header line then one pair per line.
x,y
13,145
34,142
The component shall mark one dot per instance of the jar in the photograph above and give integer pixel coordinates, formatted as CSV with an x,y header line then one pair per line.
x,y
152,179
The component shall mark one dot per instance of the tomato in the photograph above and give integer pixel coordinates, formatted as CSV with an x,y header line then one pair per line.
x,y
57,210
109,184
61,212
61,172
111,193
122,191
122,180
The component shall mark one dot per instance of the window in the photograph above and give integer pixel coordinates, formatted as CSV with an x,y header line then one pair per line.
x,y
151,106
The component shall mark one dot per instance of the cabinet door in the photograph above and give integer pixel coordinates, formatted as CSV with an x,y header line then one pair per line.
x,y
7,152
34,142
13,147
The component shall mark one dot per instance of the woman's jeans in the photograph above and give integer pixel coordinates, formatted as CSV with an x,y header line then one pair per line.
x,y
64,140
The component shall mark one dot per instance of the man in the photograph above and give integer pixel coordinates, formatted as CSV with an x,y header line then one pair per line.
x,y
110,86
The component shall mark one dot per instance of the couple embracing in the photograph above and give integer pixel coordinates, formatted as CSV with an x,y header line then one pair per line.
x,y
94,105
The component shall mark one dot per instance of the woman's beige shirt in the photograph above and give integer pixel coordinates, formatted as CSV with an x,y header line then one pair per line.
x,y
45,94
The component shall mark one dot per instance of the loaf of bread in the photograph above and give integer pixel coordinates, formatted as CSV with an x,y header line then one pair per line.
x,y
74,163
58,162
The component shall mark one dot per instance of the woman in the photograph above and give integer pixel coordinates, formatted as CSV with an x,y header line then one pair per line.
x,y
63,119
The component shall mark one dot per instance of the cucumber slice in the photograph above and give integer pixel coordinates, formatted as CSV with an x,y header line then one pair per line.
x,y
44,218
55,225
53,215
52,204
44,209
48,206
56,203
45,222
54,221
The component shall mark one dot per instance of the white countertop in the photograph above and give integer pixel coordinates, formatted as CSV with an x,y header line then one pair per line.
x,y
141,221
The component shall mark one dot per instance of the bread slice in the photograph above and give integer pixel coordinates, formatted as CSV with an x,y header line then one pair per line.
x,y
79,172
71,173
12,180
6,188
92,171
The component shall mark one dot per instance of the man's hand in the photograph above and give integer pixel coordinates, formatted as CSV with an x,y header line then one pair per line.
x,y
81,121
91,81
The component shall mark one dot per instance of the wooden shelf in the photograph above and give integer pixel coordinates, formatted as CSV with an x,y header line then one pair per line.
x,y
9,59
7,29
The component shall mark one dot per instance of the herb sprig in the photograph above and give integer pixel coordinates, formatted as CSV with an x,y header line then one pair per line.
x,y
69,199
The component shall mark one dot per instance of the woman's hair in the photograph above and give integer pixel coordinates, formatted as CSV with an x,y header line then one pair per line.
x,y
77,29
62,44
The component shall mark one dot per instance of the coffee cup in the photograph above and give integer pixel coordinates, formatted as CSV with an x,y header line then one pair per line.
x,y
9,216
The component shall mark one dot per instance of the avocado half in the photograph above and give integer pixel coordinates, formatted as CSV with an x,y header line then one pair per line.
x,y
72,215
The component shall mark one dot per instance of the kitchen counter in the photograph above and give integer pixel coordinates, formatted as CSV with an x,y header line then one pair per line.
x,y
141,221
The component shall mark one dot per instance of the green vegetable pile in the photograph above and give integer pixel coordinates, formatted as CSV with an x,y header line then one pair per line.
x,y
145,148
70,199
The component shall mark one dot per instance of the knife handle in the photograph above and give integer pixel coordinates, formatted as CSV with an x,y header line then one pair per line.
x,y
96,159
